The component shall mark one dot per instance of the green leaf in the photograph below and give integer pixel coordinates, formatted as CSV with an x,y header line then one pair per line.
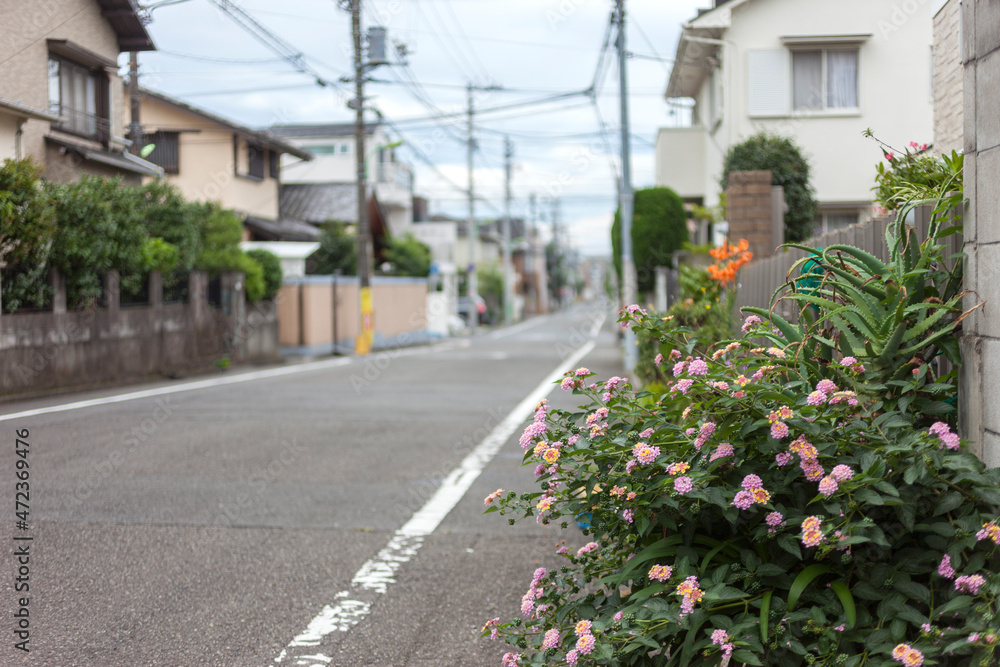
x,y
847,600
746,657
765,610
954,604
948,502
805,578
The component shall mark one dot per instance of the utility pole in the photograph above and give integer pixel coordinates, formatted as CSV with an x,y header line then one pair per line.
x,y
134,128
508,305
625,195
472,282
366,335
557,264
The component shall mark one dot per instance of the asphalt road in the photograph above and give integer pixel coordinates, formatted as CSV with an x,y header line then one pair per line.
x,y
311,514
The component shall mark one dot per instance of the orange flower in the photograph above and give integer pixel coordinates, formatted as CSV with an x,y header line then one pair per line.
x,y
729,260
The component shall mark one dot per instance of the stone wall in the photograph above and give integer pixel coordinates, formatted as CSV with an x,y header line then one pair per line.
x,y
979,388
947,79
52,350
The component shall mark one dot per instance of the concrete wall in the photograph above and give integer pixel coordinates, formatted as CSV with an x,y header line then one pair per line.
x,y
207,167
979,388
42,351
948,115
305,309
24,54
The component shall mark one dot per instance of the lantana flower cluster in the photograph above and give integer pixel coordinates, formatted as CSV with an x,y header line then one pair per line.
x,y
764,506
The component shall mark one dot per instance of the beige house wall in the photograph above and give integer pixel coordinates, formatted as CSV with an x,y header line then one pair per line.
x,y
207,167
305,310
947,82
24,53
8,136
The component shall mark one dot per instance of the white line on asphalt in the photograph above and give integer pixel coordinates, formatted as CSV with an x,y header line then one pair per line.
x,y
178,388
521,326
375,576
230,379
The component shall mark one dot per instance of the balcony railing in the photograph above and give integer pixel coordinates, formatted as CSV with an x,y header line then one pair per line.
x,y
82,123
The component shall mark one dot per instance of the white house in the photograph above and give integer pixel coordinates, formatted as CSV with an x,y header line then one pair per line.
x,y
818,72
333,149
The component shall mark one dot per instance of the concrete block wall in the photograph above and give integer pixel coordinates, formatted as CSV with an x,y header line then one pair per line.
x,y
979,391
62,348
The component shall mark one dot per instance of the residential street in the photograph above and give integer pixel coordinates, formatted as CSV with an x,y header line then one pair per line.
x,y
213,525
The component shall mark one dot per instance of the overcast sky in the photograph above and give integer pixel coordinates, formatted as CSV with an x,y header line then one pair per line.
x,y
531,48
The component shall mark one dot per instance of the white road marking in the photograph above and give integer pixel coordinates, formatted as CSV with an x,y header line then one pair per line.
x,y
376,575
307,367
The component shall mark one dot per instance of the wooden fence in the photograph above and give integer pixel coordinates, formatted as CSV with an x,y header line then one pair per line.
x,y
762,277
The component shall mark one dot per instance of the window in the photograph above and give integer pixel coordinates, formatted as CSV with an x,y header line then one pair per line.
x,y
322,149
256,167
274,164
75,95
345,149
832,221
824,79
166,150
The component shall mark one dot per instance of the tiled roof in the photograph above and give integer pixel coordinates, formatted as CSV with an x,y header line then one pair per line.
x,y
317,203
283,229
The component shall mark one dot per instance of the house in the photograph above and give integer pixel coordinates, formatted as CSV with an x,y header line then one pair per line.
x,y
211,158
60,93
819,73
332,147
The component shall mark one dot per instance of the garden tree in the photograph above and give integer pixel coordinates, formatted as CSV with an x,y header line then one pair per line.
x,y
338,249
220,239
408,256
271,266
176,221
788,168
490,286
100,227
27,225
659,228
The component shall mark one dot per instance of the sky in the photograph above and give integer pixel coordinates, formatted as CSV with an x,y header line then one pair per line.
x,y
566,151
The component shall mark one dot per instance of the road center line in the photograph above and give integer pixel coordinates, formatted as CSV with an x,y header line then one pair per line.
x,y
375,576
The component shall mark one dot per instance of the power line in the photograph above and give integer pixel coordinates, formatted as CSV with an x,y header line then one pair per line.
x,y
458,24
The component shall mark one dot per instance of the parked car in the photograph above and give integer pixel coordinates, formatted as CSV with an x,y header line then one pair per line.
x,y
463,309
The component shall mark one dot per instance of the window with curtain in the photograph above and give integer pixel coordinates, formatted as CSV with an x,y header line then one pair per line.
x,y
824,79
73,95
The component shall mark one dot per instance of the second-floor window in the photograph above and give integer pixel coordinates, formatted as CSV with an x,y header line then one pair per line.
x,y
75,95
824,79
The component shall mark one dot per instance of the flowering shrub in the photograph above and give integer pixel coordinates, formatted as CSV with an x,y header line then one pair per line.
x,y
779,503
912,174
705,305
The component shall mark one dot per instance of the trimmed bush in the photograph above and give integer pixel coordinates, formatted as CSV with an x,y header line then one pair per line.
x,y
659,228
27,227
271,266
788,168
